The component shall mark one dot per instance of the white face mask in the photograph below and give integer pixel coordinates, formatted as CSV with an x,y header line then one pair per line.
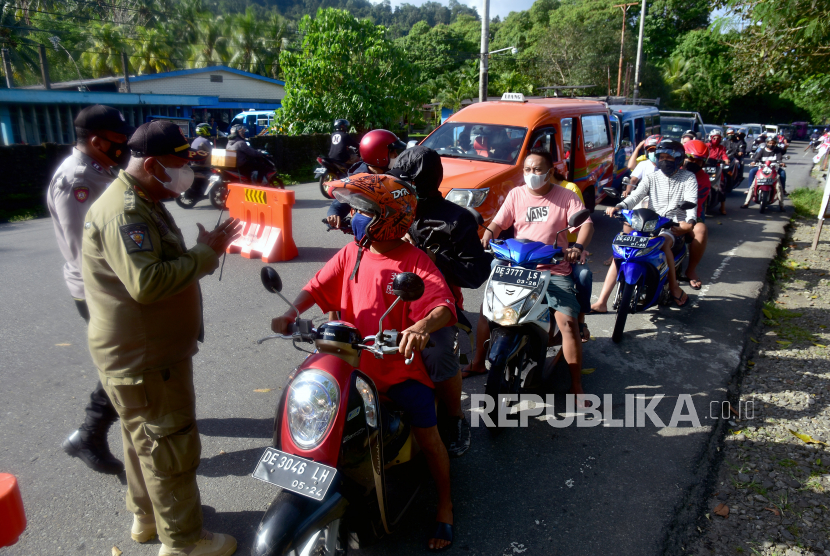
x,y
536,181
181,179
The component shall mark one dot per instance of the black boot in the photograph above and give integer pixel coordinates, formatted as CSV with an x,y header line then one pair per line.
x,y
89,442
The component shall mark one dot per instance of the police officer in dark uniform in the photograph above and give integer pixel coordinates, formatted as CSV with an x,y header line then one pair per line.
x,y
101,147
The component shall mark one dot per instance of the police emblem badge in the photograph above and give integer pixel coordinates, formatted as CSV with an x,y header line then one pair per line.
x,y
81,194
136,237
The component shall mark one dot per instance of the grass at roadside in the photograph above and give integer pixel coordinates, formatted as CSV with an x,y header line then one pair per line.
x,y
807,202
303,175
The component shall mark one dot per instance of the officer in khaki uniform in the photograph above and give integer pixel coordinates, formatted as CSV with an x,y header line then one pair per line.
x,y
146,317
101,146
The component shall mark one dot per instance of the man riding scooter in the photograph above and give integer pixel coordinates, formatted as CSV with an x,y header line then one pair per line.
x,y
343,146
357,282
717,153
773,153
696,155
735,151
448,234
251,163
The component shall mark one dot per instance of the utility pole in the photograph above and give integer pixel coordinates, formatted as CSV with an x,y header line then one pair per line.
x,y
44,68
125,65
639,54
624,8
485,46
7,68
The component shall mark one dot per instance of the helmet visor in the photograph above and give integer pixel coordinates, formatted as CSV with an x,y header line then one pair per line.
x,y
356,201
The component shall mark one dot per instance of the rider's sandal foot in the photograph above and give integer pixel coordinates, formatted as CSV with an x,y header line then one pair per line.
x,y
677,299
584,332
695,283
467,372
745,206
595,312
444,532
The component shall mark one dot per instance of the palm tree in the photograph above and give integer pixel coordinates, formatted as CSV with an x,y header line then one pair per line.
x,y
102,56
675,75
246,32
152,52
211,46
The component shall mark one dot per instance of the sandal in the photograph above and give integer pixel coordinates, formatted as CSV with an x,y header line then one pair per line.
x,y
695,284
582,328
679,297
444,532
466,372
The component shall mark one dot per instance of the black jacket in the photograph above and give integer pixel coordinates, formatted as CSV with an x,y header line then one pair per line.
x,y
735,147
340,143
458,251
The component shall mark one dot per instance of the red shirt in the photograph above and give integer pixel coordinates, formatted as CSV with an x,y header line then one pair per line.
x,y
704,185
718,152
363,301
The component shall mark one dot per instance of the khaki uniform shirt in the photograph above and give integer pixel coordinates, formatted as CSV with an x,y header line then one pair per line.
x,y
141,283
78,182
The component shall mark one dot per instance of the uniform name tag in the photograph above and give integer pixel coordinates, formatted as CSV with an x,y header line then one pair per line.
x,y
136,237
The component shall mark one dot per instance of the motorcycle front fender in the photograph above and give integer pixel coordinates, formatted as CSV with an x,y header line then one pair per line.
x,y
504,344
632,272
291,520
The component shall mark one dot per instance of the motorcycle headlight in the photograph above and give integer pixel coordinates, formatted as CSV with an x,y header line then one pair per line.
x,y
649,226
766,171
531,300
489,294
370,407
506,316
636,222
467,197
311,407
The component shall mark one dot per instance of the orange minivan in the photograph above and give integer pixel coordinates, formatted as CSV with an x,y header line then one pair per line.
x,y
482,147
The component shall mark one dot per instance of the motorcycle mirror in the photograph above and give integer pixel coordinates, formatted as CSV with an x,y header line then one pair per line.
x,y
687,205
578,218
271,279
411,144
611,192
408,286
477,215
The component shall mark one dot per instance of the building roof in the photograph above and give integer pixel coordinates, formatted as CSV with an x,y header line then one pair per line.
x,y
209,69
118,80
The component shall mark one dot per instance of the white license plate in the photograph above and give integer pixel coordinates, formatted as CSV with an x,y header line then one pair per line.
x,y
710,170
295,473
518,276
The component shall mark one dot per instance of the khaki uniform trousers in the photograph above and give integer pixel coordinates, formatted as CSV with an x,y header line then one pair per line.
x,y
161,448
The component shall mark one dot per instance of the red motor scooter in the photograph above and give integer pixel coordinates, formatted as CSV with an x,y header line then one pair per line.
x,y
343,457
766,184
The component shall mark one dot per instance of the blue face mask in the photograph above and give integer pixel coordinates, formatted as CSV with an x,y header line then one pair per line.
x,y
359,224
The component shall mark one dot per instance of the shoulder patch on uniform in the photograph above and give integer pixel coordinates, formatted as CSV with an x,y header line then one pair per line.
x,y
81,193
136,237
129,201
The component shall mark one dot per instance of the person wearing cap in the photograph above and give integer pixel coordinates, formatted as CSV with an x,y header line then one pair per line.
x,y
142,288
101,145
448,234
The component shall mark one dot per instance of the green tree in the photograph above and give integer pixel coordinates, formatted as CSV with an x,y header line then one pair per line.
x,y
435,50
700,75
457,86
345,68
667,22
102,56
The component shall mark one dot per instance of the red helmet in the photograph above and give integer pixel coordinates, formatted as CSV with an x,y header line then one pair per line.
x,y
376,147
652,141
390,201
696,149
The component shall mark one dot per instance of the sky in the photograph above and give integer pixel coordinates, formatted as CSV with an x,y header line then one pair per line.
x,y
497,7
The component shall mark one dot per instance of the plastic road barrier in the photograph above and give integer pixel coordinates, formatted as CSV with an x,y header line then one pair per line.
x,y
265,213
822,213
12,516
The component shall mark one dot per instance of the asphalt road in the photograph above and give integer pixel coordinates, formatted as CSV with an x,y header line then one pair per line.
x,y
536,490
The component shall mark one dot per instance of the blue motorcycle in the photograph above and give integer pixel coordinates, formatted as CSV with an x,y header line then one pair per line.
x,y
642,272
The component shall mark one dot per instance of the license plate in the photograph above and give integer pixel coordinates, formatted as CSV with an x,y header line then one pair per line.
x,y
765,181
518,276
295,473
319,170
623,240
710,170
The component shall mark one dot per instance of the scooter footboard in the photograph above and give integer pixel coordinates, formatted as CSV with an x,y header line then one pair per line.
x,y
292,519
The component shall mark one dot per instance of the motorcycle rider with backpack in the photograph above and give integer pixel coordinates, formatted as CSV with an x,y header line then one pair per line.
x,y
378,149
251,163
448,234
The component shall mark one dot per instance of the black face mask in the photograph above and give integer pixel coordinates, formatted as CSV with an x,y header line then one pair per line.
x,y
667,166
692,167
118,153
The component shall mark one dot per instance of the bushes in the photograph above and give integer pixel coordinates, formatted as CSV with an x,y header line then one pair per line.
x,y
27,171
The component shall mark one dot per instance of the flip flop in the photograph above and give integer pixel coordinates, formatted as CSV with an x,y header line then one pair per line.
x,y
444,532
593,312
679,297
467,373
695,284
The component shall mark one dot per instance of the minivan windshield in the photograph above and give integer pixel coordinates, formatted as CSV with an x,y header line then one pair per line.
x,y
487,142
674,127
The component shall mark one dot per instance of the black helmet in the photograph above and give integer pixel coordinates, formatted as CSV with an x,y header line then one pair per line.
x,y
233,133
421,166
689,133
341,125
672,147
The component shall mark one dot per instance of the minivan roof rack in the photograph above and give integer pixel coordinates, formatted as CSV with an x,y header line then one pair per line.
x,y
628,101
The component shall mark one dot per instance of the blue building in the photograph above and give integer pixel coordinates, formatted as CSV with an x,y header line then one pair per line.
x,y
33,115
